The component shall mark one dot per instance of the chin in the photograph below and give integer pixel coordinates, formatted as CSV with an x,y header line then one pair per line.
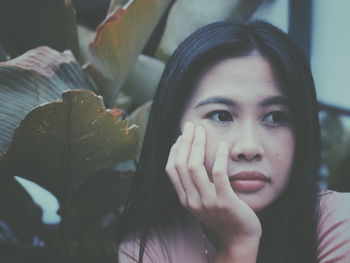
x,y
257,207
256,203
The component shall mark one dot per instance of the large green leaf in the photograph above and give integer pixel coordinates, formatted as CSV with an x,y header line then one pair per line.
x,y
140,118
116,3
187,16
97,244
142,82
29,24
101,195
86,36
120,39
38,76
61,145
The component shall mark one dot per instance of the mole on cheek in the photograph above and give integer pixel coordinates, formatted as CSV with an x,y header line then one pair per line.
x,y
277,154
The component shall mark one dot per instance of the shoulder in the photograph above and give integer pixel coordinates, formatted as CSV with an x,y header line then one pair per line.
x,y
129,248
172,243
333,206
333,230
326,195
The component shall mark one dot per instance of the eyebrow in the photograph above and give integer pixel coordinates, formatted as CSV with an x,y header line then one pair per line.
x,y
216,100
275,100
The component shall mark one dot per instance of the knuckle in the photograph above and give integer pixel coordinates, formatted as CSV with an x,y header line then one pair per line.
x,y
177,165
197,143
222,205
193,204
185,140
208,204
183,200
169,169
193,167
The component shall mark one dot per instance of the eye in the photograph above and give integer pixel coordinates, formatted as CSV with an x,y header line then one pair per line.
x,y
276,118
220,116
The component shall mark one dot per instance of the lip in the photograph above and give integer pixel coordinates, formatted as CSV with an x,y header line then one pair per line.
x,y
249,175
248,181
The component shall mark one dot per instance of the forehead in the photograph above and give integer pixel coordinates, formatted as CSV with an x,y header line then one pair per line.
x,y
248,77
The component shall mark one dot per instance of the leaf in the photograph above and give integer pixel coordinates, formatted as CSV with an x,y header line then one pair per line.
x,y
116,3
86,36
98,241
39,76
6,234
120,39
101,195
187,16
102,83
140,118
61,145
29,24
142,82
123,102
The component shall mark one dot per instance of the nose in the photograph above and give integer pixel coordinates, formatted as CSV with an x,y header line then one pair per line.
x,y
247,145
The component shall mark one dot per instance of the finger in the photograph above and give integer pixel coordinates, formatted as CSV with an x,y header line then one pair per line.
x,y
220,177
181,162
196,167
172,173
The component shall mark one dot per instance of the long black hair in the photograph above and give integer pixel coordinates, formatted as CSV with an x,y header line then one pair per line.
x,y
289,223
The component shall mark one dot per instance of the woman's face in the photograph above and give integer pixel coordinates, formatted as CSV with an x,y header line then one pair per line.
x,y
238,101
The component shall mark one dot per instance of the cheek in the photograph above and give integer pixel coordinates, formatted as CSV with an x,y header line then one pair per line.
x,y
282,157
285,150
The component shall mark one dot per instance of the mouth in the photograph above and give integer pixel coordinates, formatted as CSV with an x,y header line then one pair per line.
x,y
248,181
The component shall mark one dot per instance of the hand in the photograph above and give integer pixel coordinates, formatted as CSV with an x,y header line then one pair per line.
x,y
215,204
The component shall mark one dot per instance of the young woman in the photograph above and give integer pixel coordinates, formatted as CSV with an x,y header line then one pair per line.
x,y
228,169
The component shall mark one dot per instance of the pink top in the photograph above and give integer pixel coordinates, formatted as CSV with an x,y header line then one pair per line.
x,y
185,242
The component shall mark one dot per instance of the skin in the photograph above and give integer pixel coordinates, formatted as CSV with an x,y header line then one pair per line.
x,y
247,129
